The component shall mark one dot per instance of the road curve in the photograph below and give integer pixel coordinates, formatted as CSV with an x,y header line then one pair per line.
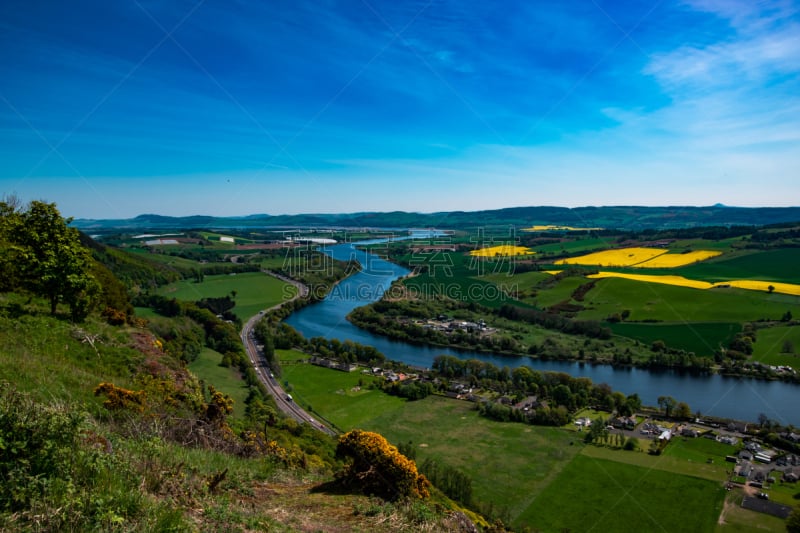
x,y
259,363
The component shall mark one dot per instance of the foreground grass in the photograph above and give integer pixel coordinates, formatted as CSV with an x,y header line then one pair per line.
x,y
600,495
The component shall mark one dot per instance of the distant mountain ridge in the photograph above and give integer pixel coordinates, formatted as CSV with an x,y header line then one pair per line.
x,y
612,217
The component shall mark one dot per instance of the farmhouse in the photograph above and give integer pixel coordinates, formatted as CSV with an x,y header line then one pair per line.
x,y
624,422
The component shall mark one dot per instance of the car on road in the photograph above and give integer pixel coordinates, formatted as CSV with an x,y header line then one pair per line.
x,y
288,397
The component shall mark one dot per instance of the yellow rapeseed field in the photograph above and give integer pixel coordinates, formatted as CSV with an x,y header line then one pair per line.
x,y
615,258
502,250
753,285
551,227
665,280
678,260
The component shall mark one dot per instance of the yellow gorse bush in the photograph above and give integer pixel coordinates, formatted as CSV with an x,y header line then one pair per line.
x,y
379,467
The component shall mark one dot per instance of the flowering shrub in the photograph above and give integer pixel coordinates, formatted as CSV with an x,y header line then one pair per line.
x,y
378,468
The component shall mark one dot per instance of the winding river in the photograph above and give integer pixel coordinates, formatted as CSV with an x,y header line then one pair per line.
x,y
715,395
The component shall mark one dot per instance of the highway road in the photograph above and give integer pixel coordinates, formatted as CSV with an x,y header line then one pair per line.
x,y
257,359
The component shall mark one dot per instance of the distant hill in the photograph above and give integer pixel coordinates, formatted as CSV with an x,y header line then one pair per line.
x,y
612,217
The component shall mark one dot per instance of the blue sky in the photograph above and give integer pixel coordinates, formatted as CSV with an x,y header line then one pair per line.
x,y
113,109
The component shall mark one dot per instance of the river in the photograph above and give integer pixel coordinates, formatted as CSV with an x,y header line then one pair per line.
x,y
714,395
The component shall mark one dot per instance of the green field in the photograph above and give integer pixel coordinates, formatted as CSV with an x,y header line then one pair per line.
x,y
770,265
460,277
336,395
254,291
510,464
206,367
536,477
574,247
667,303
702,338
599,495
778,346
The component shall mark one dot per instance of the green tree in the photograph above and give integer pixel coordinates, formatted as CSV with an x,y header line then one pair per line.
x,y
667,403
682,411
793,522
50,259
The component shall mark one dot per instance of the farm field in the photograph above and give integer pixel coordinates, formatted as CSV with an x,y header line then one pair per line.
x,y
702,338
501,250
778,346
535,477
571,247
683,456
621,257
206,367
508,463
672,260
336,395
770,265
601,495
680,281
560,291
254,291
651,301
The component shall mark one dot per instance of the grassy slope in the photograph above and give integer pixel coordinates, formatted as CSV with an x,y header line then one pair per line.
x,y
255,291
42,355
166,484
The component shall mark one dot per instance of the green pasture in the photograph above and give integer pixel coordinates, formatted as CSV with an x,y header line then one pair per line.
x,y
574,247
336,395
686,461
592,494
559,292
525,280
254,291
771,265
668,303
510,464
228,380
702,338
772,344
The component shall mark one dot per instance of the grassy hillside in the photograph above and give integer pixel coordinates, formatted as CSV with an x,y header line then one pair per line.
x,y
69,462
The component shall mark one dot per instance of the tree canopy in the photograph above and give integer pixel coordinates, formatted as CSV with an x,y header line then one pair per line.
x,y
43,254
